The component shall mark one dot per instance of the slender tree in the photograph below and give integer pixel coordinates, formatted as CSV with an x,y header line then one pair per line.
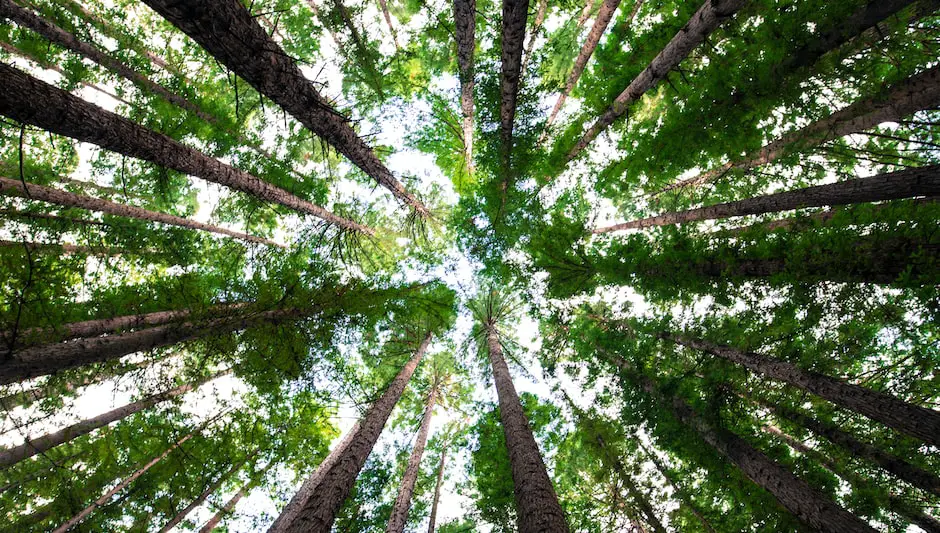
x,y
703,22
388,20
465,34
540,11
399,517
40,392
515,13
680,491
229,506
923,181
437,489
32,101
204,495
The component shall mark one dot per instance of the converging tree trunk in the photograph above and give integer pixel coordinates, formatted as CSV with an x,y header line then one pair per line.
x,y
540,11
703,22
32,101
319,511
63,248
515,13
464,32
537,507
228,507
228,31
680,491
437,489
388,21
31,447
910,183
907,418
202,497
399,517
38,393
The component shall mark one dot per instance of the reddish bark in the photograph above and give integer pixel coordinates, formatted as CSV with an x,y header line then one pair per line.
x,y
437,490
515,13
399,517
464,32
202,497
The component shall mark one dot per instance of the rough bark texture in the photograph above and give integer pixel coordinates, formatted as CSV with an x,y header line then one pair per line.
x,y
11,456
10,187
34,102
319,512
437,490
515,13
228,31
923,181
465,34
703,22
908,418
202,497
48,359
399,517
75,520
310,485
916,93
604,16
227,508
537,507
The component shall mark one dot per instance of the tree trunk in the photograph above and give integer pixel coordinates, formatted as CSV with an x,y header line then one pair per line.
x,y
205,494
32,101
437,489
227,30
604,16
396,523
310,485
227,508
537,507
65,249
703,22
60,221
31,447
464,31
681,492
806,503
319,511
388,20
16,188
41,392
916,93
641,501
897,466
540,11
922,181
515,13
913,420
48,359
75,520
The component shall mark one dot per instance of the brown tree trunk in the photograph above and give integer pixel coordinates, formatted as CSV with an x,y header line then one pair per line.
x,y
641,501
388,21
923,181
399,517
703,22
64,249
902,416
681,492
604,16
319,511
465,33
515,13
540,11
227,508
32,101
310,485
437,489
916,93
537,507
31,447
41,392
227,30
60,221
202,497
16,188
48,359
75,520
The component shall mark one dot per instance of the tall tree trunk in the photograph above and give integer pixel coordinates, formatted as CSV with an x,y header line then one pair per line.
x,y
437,489
465,33
515,13
31,447
681,492
319,511
916,93
894,504
923,181
806,503
635,493
897,466
537,507
399,517
913,420
388,21
310,485
703,22
38,393
48,359
540,11
228,507
16,188
604,16
228,31
64,249
205,494
316,12
75,520
62,222
32,101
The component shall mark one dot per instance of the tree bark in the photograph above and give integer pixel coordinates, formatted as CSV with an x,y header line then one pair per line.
x,y
227,508
227,30
64,249
604,16
464,32
703,22
515,13
437,489
913,420
32,101
388,21
48,359
60,221
681,492
36,394
75,520
399,517
310,485
923,181
916,93
540,11
641,501
319,511
31,447
16,188
537,507
202,497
